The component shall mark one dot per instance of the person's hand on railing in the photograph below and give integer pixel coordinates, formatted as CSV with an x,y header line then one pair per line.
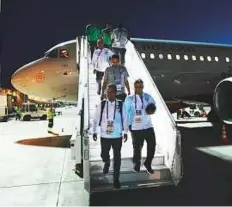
x,y
95,137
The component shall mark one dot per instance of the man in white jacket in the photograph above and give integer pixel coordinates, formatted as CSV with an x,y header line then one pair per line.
x,y
100,61
110,116
119,39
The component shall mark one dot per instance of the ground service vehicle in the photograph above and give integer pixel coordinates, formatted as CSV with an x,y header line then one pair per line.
x,y
30,111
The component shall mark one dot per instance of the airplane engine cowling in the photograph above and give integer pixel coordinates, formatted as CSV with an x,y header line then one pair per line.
x,y
223,100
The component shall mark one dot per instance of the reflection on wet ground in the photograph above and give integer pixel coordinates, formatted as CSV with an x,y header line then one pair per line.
x,y
55,141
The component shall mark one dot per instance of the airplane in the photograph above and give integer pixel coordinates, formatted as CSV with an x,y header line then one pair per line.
x,y
183,71
52,77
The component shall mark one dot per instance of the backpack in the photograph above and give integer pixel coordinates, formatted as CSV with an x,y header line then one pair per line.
x,y
120,103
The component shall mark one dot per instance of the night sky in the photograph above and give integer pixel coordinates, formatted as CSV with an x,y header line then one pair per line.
x,y
30,27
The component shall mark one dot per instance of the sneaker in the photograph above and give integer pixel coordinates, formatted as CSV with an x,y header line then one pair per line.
x,y
106,168
137,167
149,169
117,184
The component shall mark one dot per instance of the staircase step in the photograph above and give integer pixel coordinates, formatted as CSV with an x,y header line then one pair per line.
x,y
128,178
127,165
130,185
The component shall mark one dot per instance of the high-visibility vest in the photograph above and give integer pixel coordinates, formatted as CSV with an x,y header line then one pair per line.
x,y
18,110
50,114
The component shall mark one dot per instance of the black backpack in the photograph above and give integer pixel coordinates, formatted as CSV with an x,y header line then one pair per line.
x,y
120,103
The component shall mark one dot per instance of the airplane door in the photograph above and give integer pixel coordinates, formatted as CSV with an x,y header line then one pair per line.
x,y
64,58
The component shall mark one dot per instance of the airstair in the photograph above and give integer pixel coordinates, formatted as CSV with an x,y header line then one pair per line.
x,y
86,152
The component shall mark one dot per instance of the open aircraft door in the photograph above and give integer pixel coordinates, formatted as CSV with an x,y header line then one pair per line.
x,y
79,141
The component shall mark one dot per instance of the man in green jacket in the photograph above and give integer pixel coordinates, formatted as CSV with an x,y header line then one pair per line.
x,y
106,35
93,34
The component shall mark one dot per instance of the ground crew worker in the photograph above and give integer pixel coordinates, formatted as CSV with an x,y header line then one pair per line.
x,y
118,75
119,39
111,118
50,117
93,34
18,113
139,107
100,61
106,36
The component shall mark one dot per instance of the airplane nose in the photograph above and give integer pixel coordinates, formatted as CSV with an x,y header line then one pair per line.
x,y
18,79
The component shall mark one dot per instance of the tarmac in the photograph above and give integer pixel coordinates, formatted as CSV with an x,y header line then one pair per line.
x,y
35,166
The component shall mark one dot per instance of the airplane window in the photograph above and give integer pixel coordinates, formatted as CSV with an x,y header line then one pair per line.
x,y
52,54
64,53
186,57
209,58
216,59
227,59
169,56
143,55
152,56
201,58
178,57
161,56
194,57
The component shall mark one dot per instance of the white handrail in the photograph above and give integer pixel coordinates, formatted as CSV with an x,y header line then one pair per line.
x,y
78,134
164,126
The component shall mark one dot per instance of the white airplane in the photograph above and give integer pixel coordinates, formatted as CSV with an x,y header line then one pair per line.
x,y
183,71
53,76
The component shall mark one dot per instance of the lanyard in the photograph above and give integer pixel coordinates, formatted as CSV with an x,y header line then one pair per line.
x,y
136,102
107,110
98,57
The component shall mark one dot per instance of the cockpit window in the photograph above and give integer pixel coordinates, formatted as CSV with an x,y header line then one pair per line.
x,y
52,54
64,53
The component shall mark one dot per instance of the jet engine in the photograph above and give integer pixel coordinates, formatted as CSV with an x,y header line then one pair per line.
x,y
223,100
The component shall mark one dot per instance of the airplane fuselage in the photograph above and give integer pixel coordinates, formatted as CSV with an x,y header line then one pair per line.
x,y
184,71
181,70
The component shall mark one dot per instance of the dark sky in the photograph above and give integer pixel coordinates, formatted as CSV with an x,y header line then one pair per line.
x,y
30,27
